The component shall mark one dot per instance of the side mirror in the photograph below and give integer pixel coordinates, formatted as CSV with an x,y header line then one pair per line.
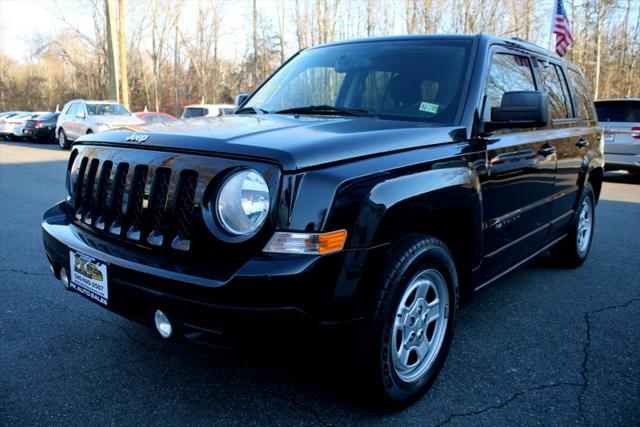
x,y
80,115
521,109
240,99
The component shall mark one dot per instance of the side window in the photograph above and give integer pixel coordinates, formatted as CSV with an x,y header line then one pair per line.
x,y
73,109
507,73
565,89
558,105
584,106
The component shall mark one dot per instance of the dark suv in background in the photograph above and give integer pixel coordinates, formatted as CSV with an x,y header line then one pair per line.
x,y
374,183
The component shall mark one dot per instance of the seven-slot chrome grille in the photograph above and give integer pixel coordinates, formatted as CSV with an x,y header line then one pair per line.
x,y
146,197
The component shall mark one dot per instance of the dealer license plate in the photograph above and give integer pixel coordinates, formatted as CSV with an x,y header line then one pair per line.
x,y
89,277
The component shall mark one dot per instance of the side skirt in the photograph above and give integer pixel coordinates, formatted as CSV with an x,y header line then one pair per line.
x,y
518,264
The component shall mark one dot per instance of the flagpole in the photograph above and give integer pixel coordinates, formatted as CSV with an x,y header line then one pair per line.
x,y
554,6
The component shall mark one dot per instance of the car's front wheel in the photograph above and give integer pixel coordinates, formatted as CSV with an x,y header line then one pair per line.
x,y
412,321
63,142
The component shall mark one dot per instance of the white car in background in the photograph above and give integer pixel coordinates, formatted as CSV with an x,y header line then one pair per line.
x,y
80,117
8,124
620,119
207,110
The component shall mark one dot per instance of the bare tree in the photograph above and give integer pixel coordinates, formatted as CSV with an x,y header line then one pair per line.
x,y
122,48
112,43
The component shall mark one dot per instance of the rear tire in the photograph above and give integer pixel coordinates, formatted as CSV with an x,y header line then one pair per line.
x,y
63,142
573,250
408,335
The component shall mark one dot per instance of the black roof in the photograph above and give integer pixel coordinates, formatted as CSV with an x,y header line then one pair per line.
x,y
489,39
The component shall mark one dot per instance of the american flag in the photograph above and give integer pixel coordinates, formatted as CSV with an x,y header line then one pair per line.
x,y
561,28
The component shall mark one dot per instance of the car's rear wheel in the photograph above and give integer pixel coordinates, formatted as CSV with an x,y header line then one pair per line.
x,y
63,142
412,323
573,250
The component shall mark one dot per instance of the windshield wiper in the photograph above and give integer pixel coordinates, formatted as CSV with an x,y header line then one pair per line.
x,y
251,110
325,109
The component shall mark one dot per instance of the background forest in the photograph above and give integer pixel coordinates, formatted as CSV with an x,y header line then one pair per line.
x,y
183,51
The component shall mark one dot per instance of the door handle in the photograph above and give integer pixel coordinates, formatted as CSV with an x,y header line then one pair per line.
x,y
582,143
547,150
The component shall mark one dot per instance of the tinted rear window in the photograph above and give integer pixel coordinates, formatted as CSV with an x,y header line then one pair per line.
x,y
48,116
194,112
618,111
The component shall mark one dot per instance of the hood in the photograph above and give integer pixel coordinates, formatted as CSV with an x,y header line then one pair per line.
x,y
295,142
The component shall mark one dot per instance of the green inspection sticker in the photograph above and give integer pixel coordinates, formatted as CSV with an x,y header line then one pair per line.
x,y
428,107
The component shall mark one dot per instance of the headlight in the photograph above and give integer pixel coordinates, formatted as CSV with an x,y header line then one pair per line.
x,y
101,127
243,202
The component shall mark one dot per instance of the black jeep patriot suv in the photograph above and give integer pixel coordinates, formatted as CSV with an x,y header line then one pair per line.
x,y
375,183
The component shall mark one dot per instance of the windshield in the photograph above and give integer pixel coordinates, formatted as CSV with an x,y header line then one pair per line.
x,y
618,111
405,80
194,112
107,110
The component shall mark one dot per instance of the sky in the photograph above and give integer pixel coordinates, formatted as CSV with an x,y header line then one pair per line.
x,y
22,20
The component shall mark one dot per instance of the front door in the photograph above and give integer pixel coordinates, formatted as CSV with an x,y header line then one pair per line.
x,y
521,164
68,124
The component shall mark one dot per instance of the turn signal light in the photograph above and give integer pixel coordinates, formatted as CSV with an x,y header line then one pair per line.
x,y
307,243
635,132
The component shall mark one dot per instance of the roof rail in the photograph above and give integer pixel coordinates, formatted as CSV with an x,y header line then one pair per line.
x,y
521,40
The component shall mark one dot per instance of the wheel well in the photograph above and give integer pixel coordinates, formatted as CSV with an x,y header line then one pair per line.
x,y
595,178
89,131
453,225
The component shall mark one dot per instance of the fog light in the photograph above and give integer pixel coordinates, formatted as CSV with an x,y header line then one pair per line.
x,y
163,326
64,278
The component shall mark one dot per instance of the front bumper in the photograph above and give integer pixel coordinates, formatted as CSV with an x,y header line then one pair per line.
x,y
277,287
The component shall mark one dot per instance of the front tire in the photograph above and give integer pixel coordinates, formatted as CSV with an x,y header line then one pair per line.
x,y
63,142
412,321
573,250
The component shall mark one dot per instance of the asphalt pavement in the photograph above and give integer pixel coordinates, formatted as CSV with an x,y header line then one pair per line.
x,y
543,346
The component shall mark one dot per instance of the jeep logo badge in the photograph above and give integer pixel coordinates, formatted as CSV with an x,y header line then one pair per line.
x,y
137,137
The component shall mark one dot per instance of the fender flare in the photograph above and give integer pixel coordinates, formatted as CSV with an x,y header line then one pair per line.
x,y
433,189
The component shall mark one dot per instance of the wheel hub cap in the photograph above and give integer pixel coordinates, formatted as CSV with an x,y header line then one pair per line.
x,y
420,325
585,224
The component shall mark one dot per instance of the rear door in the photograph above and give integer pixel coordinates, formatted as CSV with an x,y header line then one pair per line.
x,y
521,172
571,137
